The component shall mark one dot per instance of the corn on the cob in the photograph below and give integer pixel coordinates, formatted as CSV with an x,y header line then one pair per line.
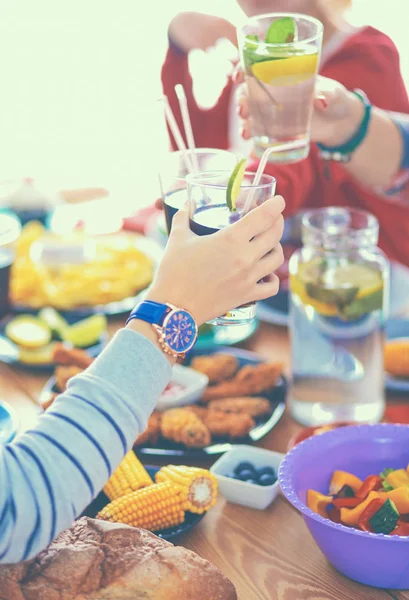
x,y
154,508
199,486
397,358
130,476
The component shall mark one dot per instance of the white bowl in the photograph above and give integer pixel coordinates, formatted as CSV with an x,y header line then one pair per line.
x,y
194,384
242,492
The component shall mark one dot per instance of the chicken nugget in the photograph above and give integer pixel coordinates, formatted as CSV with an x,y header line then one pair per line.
x,y
217,367
183,426
250,405
64,374
72,357
200,411
250,380
221,424
152,431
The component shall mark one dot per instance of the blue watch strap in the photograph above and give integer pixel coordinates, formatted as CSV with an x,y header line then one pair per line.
x,y
345,151
151,312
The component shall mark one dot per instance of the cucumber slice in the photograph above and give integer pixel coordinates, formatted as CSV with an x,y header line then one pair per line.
x,y
385,520
362,306
54,320
28,331
86,332
282,31
234,185
340,296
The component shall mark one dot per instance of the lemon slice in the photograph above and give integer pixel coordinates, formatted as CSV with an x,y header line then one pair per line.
x,y
37,356
28,331
54,320
286,70
86,332
234,185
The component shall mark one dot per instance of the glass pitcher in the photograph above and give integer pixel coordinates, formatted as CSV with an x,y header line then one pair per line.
x,y
339,286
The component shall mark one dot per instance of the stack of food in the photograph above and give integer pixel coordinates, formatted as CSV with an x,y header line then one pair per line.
x,y
139,501
36,336
115,270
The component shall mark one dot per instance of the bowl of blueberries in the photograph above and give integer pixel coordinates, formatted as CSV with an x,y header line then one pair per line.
x,y
247,475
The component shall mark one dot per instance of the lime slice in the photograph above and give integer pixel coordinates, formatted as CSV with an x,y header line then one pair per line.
x,y
282,31
38,356
54,320
87,332
28,331
234,185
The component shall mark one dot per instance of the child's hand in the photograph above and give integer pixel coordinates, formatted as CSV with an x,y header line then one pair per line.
x,y
213,274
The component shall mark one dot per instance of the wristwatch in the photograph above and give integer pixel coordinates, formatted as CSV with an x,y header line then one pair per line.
x,y
343,153
176,328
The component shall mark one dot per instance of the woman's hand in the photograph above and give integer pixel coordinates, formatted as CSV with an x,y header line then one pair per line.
x,y
193,30
336,117
210,275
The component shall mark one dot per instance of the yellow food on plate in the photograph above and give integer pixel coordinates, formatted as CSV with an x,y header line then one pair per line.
x,y
397,357
129,477
199,486
86,332
38,356
154,508
118,269
28,331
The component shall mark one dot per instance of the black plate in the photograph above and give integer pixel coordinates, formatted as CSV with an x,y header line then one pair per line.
x,y
163,447
191,519
9,351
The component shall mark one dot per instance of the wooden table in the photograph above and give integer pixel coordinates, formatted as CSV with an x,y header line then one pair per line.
x,y
269,555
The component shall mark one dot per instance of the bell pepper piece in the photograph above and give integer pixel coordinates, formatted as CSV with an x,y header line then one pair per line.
x,y
373,483
402,528
318,502
346,502
350,516
341,478
399,478
400,497
366,515
334,515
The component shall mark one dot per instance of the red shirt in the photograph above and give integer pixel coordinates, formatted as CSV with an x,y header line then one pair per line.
x,y
367,60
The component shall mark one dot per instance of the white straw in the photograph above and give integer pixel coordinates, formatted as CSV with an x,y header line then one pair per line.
x,y
170,117
262,166
187,124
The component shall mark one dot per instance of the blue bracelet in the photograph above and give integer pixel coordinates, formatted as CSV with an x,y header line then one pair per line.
x,y
343,153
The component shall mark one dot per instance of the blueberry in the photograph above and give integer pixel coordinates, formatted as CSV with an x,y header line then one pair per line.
x,y
244,466
253,481
266,471
267,479
246,474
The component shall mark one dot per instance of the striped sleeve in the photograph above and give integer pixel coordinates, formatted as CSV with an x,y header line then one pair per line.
x,y
51,473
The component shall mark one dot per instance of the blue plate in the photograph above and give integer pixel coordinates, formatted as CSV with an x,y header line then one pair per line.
x,y
9,352
397,328
9,423
191,519
170,449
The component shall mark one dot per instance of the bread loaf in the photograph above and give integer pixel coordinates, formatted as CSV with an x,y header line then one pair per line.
x,y
97,560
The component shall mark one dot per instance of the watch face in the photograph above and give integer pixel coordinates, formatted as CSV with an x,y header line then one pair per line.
x,y
179,331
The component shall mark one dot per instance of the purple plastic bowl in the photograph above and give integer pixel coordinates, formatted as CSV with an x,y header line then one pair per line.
x,y
373,559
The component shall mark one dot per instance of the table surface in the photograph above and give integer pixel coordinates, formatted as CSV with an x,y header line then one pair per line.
x,y
268,555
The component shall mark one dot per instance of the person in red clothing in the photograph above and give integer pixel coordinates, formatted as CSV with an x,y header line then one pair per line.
x,y
362,58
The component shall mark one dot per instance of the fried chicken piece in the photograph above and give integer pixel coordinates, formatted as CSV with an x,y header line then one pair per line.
x,y
152,431
249,405
221,424
200,411
217,367
64,374
50,401
183,426
250,380
72,357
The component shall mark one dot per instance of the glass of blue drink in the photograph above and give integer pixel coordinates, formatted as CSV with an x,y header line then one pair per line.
x,y
172,176
210,210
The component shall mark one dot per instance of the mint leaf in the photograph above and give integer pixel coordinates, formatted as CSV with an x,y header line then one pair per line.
x,y
282,31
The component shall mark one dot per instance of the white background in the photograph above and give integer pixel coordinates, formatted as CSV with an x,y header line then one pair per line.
x,y
80,79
